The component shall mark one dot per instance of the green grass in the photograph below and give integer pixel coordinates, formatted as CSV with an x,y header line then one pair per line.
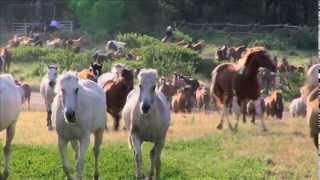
x,y
193,159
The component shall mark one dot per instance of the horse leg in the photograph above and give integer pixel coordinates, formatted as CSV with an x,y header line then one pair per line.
x,y
116,119
7,150
228,120
136,143
316,141
84,143
63,153
220,125
49,122
29,102
244,111
96,150
155,156
263,124
75,146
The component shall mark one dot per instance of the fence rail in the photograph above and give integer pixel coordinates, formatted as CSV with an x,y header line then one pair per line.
x,y
238,28
21,28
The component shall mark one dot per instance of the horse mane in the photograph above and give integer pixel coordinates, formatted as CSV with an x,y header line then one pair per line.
x,y
243,62
147,74
70,75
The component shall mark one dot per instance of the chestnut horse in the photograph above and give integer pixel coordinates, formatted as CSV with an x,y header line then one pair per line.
x,y
116,93
274,104
239,79
94,71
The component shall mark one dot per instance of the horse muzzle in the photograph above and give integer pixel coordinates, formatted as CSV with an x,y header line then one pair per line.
x,y
145,108
70,117
52,83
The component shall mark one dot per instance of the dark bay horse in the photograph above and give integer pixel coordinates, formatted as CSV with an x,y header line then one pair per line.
x,y
5,60
240,80
116,93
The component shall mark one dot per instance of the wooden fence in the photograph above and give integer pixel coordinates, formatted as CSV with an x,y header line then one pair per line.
x,y
237,28
21,28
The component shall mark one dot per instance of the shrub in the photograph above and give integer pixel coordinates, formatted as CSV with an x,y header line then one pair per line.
x,y
135,40
304,38
64,59
182,36
167,58
295,81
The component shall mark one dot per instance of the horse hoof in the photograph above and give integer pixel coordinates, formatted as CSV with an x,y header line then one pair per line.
x,y
50,128
219,126
96,177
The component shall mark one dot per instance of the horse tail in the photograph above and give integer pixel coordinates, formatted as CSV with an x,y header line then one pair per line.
x,y
213,84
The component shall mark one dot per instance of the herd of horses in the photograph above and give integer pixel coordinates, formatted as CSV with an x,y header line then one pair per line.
x,y
78,101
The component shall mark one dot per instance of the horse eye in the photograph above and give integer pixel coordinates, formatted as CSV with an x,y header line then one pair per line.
x,y
153,88
77,89
62,90
140,86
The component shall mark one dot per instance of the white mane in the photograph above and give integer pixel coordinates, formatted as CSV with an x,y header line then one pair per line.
x,y
147,75
68,76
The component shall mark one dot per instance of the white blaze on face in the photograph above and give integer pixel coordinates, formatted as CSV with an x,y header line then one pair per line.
x,y
147,86
52,74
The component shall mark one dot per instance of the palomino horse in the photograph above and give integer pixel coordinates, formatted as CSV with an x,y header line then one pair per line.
x,y
240,80
10,105
79,111
47,91
147,117
116,93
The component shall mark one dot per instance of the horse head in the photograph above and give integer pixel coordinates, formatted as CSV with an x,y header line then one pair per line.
x,y
96,68
147,89
254,59
52,74
68,88
128,76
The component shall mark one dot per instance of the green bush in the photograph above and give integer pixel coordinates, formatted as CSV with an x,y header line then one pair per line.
x,y
135,40
167,58
64,59
178,35
304,38
295,82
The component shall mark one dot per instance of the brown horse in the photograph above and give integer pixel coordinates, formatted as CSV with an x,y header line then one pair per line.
x,y
182,100
236,53
116,93
26,92
274,104
202,97
167,88
240,80
5,57
92,73
222,53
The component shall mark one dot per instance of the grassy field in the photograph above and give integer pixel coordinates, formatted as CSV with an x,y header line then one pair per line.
x,y
194,150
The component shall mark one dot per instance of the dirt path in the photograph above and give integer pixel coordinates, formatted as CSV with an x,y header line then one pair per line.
x,y
36,102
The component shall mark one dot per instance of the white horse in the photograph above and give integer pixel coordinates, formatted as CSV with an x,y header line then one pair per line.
x,y
147,117
47,91
79,110
297,107
10,105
